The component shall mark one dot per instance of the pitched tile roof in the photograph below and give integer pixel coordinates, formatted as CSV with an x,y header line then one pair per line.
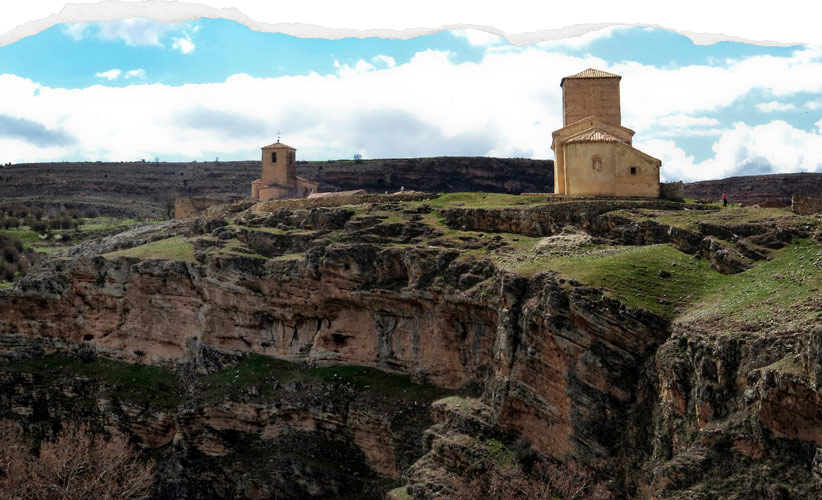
x,y
278,145
590,73
594,73
594,135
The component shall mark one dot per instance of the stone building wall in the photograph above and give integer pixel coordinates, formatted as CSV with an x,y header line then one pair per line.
x,y
623,171
584,97
804,205
185,207
281,170
672,190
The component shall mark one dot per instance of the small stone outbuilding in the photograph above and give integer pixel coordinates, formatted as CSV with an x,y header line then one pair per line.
x,y
279,175
593,152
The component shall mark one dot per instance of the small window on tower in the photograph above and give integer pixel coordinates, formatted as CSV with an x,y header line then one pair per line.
x,y
597,163
633,170
274,156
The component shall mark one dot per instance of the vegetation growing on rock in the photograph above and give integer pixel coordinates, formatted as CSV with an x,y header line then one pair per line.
x,y
653,341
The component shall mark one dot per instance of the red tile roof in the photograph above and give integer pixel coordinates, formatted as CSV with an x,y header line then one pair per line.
x,y
590,73
593,73
278,145
594,135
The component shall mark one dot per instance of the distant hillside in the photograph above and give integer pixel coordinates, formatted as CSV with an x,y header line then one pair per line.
x,y
753,189
140,188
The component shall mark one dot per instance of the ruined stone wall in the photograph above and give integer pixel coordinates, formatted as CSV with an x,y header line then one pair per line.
x,y
672,190
338,201
804,205
192,207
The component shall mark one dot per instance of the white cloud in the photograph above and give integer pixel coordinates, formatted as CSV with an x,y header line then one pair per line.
x,y
135,73
184,45
111,74
772,106
76,31
386,61
648,92
134,32
507,104
813,105
771,148
584,40
680,120
347,71
478,38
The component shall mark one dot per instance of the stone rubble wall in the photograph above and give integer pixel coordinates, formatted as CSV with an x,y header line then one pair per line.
x,y
805,205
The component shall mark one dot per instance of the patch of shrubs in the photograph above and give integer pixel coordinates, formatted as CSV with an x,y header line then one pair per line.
x,y
52,223
542,480
21,211
14,258
9,222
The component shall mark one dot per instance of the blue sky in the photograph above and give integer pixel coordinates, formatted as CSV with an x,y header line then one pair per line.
x,y
137,88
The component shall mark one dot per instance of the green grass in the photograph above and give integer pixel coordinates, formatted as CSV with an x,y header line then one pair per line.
x,y
481,200
87,229
631,274
289,256
399,494
236,247
132,382
729,216
772,291
694,290
174,248
106,223
258,370
499,453
24,235
789,364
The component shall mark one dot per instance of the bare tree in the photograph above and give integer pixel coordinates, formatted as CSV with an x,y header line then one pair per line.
x,y
167,200
545,481
76,465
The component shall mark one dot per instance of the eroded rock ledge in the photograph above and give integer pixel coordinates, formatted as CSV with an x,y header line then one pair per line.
x,y
546,360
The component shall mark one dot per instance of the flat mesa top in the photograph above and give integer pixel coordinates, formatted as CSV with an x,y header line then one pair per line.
x,y
591,73
278,145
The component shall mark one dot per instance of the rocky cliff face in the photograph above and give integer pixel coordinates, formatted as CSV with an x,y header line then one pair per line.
x,y
141,189
753,189
428,304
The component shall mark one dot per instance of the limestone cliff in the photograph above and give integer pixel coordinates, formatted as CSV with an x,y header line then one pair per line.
x,y
314,341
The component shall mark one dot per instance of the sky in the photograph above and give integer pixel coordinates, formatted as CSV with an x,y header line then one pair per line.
x,y
133,89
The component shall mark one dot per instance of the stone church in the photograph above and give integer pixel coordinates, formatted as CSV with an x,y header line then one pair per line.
x,y
592,151
279,175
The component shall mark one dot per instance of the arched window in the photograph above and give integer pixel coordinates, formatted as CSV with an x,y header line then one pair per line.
x,y
596,162
274,156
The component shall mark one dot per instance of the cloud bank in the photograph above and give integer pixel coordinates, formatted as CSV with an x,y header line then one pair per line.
x,y
507,104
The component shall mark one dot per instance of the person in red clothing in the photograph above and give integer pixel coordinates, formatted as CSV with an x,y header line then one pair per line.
x,y
724,200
